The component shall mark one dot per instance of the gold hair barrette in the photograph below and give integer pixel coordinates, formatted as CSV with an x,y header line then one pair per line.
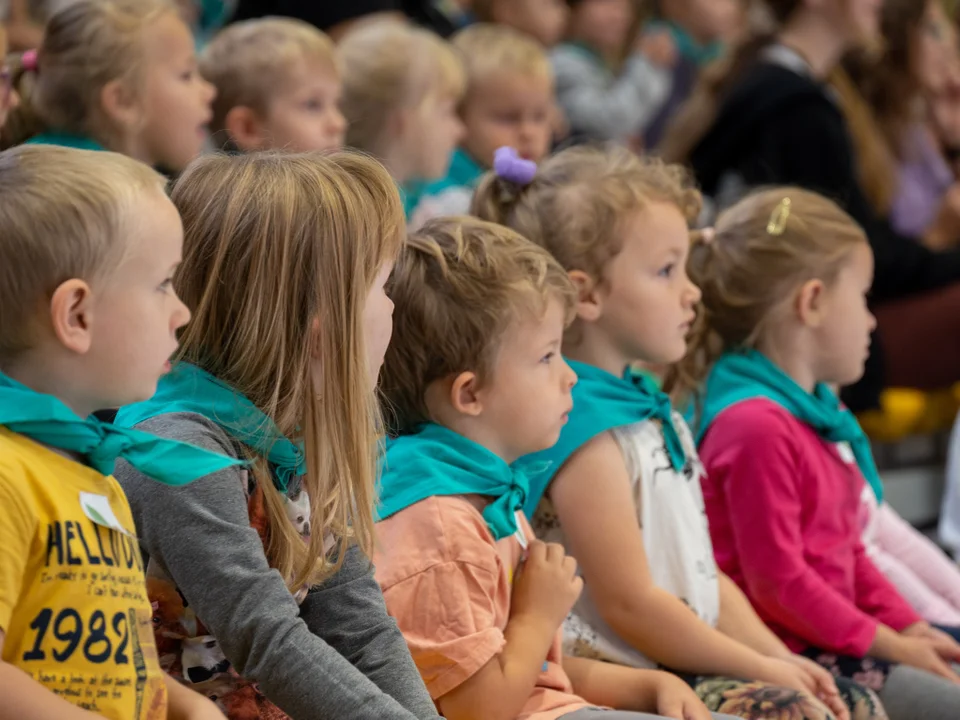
x,y
778,218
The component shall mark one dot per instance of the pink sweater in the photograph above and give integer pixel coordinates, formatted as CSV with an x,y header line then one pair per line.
x,y
783,511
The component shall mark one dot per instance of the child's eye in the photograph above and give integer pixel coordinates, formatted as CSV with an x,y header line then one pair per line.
x,y
166,284
548,357
313,105
667,270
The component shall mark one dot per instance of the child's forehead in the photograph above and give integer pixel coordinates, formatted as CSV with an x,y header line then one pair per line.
x,y
510,83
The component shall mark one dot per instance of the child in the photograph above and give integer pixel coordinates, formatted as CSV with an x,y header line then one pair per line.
x,y
264,596
603,98
700,30
119,75
474,380
87,320
278,86
401,86
9,99
618,224
509,102
785,316
543,20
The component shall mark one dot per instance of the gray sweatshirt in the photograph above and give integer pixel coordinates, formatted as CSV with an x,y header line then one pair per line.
x,y
602,106
336,655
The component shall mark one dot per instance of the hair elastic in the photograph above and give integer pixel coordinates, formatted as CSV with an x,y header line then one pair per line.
x,y
777,224
28,61
513,168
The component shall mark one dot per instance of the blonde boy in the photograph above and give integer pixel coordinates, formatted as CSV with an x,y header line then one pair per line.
x,y
88,243
472,381
509,102
401,86
278,87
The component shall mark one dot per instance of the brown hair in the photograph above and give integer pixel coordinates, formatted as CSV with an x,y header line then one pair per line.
x,y
578,199
763,248
275,245
85,46
249,61
388,65
457,285
65,214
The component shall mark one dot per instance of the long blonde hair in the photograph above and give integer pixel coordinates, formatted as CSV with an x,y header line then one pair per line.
x,y
85,46
280,252
764,247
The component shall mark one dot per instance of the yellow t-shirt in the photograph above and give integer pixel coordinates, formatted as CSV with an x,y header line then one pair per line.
x,y
73,598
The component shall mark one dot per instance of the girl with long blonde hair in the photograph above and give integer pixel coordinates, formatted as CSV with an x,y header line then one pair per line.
x,y
783,320
261,580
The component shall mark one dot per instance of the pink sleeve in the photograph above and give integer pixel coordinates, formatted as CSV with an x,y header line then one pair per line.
x,y
934,570
877,596
758,461
930,606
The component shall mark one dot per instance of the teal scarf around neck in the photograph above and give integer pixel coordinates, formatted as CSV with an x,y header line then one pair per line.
x,y
686,44
188,389
47,420
602,402
64,139
435,461
749,374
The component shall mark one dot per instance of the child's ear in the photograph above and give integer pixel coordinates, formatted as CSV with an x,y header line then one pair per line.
x,y
71,314
464,394
810,301
121,105
245,128
589,303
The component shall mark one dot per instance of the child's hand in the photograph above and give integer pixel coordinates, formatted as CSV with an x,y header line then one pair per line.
x,y
547,585
946,646
675,699
658,47
920,652
826,686
788,674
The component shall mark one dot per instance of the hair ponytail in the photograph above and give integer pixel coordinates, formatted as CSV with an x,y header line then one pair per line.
x,y
22,121
496,197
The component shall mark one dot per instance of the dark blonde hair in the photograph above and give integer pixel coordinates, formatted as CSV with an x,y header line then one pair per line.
x,y
65,214
763,249
280,252
578,200
457,285
86,45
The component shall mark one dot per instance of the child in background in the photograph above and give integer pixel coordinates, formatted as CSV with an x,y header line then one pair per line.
x,y
604,96
87,320
118,75
700,31
784,317
263,591
619,225
278,87
401,87
9,98
543,20
509,102
472,381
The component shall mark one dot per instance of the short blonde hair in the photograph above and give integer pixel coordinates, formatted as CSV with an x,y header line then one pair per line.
x,y
389,65
276,245
487,48
65,214
249,61
577,202
457,285
85,46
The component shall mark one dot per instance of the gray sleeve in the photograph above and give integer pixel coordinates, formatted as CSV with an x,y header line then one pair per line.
x,y
348,612
605,109
200,535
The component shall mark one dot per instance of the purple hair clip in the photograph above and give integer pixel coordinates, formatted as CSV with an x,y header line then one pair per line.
x,y
28,60
513,168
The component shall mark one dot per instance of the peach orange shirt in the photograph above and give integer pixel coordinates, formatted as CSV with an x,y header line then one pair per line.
x,y
448,584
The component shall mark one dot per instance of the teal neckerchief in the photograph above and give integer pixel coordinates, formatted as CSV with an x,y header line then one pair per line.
x,y
686,44
464,171
65,140
188,389
437,461
749,374
47,420
602,402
